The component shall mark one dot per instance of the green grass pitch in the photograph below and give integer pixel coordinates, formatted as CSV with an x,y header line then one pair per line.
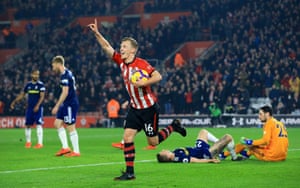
x,y
100,163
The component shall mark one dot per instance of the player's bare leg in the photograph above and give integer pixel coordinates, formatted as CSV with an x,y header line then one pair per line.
x,y
220,145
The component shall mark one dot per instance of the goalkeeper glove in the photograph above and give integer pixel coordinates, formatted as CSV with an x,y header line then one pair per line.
x,y
246,141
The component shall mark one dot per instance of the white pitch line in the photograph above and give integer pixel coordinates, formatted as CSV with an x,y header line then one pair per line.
x,y
63,167
293,149
79,166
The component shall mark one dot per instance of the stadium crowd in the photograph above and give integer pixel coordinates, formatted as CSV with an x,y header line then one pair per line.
x,y
257,54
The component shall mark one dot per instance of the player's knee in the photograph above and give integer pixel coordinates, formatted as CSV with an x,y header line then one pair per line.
x,y
203,132
228,137
71,128
57,125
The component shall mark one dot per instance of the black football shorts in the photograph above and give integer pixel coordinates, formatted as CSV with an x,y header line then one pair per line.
x,y
143,119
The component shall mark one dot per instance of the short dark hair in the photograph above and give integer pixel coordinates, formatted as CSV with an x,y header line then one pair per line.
x,y
162,158
266,109
35,71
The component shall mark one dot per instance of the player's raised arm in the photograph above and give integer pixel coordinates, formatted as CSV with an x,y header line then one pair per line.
x,y
101,40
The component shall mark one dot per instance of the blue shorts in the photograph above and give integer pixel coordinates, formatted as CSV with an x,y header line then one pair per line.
x,y
201,150
34,117
67,113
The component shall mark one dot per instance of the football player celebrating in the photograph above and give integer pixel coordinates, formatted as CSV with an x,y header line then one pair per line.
x,y
143,113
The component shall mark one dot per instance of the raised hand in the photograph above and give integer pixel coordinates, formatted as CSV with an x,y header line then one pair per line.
x,y
94,26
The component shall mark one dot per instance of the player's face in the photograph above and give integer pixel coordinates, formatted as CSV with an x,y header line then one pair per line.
x,y
262,116
55,67
168,154
35,75
127,51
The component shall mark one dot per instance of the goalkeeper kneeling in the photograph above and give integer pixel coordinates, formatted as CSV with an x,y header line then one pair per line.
x,y
273,145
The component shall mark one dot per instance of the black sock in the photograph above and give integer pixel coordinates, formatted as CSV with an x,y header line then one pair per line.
x,y
164,133
129,154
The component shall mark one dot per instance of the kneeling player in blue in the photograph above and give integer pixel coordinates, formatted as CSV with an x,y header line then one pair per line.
x,y
201,152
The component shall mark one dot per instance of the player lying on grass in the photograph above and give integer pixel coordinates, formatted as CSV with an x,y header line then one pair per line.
x,y
201,152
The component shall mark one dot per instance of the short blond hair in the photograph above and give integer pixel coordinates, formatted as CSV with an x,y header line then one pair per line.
x,y
58,59
132,41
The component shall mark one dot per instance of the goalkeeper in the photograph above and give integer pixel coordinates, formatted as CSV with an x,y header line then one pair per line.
x,y
273,146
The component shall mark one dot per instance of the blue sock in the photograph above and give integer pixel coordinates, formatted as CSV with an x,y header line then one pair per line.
x,y
222,156
244,154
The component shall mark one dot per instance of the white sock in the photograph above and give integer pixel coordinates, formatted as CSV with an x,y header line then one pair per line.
x,y
28,134
211,137
63,137
74,140
230,148
39,132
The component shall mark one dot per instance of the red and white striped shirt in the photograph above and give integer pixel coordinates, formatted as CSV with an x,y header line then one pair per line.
x,y
142,97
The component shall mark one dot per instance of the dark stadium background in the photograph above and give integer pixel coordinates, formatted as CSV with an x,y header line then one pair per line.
x,y
239,54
